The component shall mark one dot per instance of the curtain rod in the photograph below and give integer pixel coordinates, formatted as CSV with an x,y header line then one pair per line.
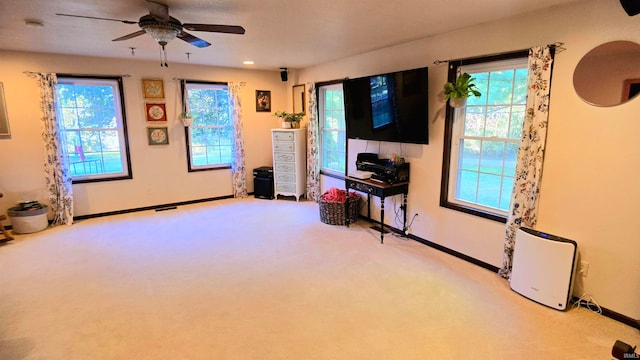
x,y
242,83
557,45
33,74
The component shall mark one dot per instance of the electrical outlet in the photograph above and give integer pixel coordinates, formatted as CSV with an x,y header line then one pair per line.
x,y
584,268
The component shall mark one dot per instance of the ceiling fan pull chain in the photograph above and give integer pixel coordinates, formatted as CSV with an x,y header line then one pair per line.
x,y
163,57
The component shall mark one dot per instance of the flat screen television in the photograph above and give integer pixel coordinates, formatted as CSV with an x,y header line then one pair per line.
x,y
388,107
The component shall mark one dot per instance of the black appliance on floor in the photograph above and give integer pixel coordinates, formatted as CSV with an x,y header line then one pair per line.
x,y
263,182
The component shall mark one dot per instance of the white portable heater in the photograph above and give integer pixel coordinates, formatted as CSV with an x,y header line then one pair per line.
x,y
544,267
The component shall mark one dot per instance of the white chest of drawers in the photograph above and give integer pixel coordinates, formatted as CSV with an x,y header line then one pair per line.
x,y
289,162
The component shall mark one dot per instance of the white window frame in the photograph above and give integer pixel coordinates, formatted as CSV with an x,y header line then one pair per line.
x,y
188,130
321,89
121,127
450,189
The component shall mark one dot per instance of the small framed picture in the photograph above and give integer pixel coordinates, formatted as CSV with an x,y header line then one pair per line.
x,y
158,135
263,100
153,88
4,119
156,112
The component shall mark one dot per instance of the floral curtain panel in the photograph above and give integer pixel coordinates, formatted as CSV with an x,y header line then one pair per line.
x,y
56,166
528,175
239,181
313,151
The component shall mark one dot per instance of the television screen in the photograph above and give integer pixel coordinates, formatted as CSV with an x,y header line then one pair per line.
x,y
388,107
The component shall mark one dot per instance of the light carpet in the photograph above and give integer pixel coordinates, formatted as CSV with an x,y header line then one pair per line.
x,y
260,279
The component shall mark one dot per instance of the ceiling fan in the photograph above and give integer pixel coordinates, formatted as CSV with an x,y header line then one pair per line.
x,y
164,28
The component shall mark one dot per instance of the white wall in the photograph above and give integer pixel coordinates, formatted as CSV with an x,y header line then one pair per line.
x,y
589,192
160,173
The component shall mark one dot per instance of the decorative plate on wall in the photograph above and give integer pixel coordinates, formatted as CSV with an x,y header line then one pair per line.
x,y
158,135
153,89
156,112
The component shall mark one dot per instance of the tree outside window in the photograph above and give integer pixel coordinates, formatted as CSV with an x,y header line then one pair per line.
x,y
332,127
211,136
90,112
483,138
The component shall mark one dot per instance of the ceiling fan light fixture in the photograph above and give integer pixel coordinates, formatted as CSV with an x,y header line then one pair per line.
x,y
162,32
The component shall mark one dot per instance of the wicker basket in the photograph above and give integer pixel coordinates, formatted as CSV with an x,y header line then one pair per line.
x,y
332,213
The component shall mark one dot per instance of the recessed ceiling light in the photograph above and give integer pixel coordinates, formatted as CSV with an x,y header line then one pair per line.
x,y
34,23
248,62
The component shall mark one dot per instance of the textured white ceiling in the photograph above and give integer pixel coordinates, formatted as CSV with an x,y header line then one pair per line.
x,y
279,33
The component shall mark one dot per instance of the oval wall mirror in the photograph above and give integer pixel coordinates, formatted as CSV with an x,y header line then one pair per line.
x,y
609,74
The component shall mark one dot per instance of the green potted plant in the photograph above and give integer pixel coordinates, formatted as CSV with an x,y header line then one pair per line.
x,y
458,92
186,118
289,120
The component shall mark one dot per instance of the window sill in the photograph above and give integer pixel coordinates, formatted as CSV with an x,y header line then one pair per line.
x,y
475,212
332,174
221,167
101,179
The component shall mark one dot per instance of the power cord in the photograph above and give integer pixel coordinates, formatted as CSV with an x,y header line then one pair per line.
x,y
397,210
411,222
398,218
587,301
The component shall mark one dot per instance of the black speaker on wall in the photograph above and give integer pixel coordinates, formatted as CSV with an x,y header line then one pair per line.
x,y
284,75
632,7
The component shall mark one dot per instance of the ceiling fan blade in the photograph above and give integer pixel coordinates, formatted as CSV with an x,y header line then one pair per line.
x,y
227,29
193,40
132,35
158,11
98,18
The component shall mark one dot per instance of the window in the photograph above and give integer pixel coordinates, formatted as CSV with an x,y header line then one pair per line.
x,y
381,101
482,138
332,128
90,111
210,137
